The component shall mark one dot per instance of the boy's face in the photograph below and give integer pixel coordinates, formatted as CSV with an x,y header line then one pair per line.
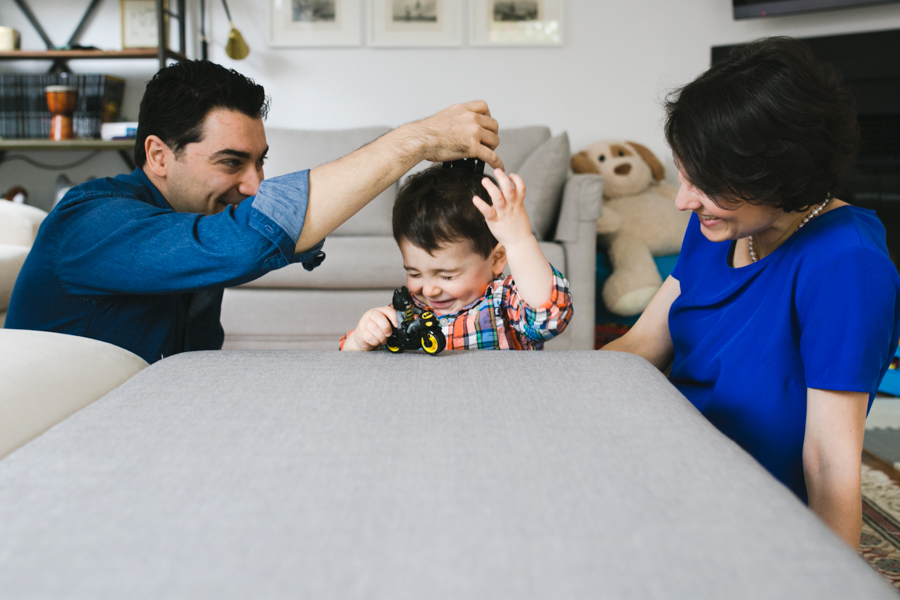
x,y
451,279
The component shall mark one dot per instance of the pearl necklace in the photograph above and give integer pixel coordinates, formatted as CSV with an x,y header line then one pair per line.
x,y
812,214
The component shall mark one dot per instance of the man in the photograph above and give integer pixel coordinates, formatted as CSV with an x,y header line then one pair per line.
x,y
141,260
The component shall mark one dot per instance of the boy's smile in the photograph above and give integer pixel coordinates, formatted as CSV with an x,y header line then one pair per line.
x,y
453,277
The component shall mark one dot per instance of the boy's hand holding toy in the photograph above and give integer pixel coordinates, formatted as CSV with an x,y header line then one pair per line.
x,y
373,330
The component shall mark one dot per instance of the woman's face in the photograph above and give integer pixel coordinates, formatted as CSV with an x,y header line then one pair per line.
x,y
720,224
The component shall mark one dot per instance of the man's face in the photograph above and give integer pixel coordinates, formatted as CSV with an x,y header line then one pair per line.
x,y
222,169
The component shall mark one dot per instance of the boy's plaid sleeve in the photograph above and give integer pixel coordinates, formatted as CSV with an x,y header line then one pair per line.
x,y
546,321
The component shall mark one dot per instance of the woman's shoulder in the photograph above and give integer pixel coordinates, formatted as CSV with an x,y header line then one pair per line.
x,y
846,229
847,238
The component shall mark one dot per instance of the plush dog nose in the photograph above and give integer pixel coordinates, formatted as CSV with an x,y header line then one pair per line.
x,y
624,169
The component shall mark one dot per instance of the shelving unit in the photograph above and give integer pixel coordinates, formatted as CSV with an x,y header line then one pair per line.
x,y
61,57
125,148
67,55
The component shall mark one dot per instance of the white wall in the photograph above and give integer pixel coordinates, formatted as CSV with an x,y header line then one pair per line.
x,y
607,80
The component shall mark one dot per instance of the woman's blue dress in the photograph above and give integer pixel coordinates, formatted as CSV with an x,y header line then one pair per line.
x,y
822,311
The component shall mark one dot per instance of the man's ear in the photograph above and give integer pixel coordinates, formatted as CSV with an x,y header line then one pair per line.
x,y
158,156
498,260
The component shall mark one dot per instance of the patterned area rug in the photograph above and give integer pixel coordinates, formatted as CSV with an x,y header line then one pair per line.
x,y
880,541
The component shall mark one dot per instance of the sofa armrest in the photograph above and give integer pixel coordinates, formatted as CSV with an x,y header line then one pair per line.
x,y
577,231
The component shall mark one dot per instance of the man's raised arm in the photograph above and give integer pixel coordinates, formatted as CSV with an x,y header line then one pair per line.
x,y
337,190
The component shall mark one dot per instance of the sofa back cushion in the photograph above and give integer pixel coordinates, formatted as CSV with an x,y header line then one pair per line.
x,y
19,223
517,144
293,150
11,260
542,161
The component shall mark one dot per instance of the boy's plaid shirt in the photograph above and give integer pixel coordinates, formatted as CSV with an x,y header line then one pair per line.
x,y
501,320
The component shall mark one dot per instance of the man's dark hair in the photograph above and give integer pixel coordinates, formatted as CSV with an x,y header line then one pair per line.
x,y
434,208
769,124
180,96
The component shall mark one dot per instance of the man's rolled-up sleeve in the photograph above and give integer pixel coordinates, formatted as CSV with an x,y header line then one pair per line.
x,y
280,211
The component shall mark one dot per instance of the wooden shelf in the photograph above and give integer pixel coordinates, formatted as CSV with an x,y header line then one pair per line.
x,y
65,145
87,54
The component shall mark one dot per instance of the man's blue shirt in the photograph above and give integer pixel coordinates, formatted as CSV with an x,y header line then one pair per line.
x,y
114,262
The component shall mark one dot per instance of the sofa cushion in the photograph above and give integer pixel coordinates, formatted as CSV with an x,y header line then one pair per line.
x,y
49,376
361,262
544,173
555,254
517,144
11,260
292,150
19,223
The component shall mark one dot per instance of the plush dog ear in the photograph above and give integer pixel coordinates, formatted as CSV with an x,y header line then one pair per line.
x,y
656,167
581,163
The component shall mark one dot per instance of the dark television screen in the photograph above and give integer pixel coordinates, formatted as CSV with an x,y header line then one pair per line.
x,y
753,9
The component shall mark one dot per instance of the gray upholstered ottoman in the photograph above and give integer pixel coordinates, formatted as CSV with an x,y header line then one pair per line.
x,y
367,475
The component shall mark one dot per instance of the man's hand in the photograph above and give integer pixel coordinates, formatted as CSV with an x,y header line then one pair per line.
x,y
461,131
373,330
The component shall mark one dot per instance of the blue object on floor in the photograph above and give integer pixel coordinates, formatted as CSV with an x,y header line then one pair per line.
x,y
891,382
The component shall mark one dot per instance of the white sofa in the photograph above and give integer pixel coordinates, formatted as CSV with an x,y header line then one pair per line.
x,y
19,224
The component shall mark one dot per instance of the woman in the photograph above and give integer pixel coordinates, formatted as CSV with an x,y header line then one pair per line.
x,y
783,311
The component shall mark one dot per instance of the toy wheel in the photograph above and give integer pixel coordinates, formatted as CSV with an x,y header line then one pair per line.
x,y
393,345
433,342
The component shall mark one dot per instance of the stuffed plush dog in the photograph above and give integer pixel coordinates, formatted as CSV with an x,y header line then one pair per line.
x,y
639,220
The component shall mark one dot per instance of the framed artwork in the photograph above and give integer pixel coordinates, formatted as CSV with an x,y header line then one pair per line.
x,y
397,23
139,27
516,22
297,23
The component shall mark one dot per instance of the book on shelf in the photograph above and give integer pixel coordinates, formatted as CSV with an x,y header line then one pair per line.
x,y
23,103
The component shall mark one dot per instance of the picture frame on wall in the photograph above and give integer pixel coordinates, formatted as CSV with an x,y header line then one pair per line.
x,y
399,23
314,23
516,22
139,25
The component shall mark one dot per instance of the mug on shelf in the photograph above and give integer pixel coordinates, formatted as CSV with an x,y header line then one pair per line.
x,y
9,39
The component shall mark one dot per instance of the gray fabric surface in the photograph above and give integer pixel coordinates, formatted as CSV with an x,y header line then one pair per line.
x,y
292,150
544,173
516,144
351,262
366,475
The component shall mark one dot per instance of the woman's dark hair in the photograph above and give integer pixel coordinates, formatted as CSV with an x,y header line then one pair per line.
x,y
179,97
434,208
769,124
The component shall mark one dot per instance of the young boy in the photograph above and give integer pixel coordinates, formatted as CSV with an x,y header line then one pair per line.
x,y
457,231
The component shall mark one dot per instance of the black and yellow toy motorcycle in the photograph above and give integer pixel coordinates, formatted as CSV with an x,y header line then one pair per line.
x,y
413,333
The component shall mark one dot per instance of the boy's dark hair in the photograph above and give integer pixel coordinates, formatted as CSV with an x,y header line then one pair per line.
x,y
179,97
769,124
434,208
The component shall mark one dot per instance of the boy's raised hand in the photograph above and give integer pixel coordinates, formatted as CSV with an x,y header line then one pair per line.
x,y
509,223
373,330
506,217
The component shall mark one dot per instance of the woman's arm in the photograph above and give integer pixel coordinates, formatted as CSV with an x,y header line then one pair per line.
x,y
832,456
650,338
